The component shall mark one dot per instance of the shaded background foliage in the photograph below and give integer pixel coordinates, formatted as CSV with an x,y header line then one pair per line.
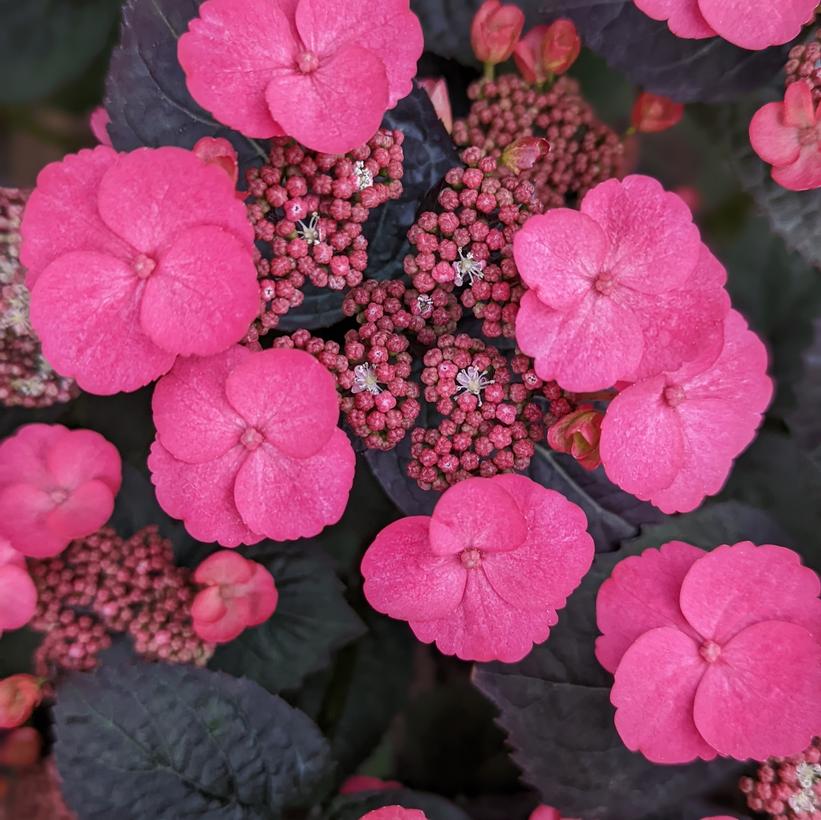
x,y
385,705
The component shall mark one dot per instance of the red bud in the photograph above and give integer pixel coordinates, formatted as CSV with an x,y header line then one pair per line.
x,y
19,694
578,433
653,113
21,748
560,47
524,153
495,31
218,151
437,89
528,56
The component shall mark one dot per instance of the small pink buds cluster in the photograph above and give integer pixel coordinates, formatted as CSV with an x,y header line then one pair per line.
x,y
804,63
308,209
467,243
26,378
103,584
787,788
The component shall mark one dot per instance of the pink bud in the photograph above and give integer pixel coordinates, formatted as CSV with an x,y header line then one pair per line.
x,y
363,783
524,153
528,56
19,694
219,152
495,31
437,89
21,748
98,122
653,113
578,433
560,47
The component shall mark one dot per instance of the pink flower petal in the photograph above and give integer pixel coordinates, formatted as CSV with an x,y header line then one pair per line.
x,y
805,173
478,514
286,498
755,25
208,605
542,572
224,567
87,508
799,111
9,555
405,580
642,445
289,396
261,594
23,512
559,254
18,597
484,627
98,122
775,142
26,453
655,687
231,625
202,495
335,108
654,245
228,55
736,586
683,17
642,594
186,310
394,813
61,214
760,698
84,308
193,417
78,455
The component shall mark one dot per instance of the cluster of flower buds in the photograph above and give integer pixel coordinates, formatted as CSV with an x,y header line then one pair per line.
x,y
103,584
804,63
26,378
787,788
308,209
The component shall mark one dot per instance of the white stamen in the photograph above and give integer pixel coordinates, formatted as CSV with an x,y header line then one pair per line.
x,y
364,178
467,267
364,378
470,380
808,774
312,232
424,304
803,802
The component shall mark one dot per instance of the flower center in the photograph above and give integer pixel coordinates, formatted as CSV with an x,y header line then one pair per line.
x,y
252,438
471,558
604,283
466,267
58,496
364,380
470,380
710,651
674,395
308,62
144,266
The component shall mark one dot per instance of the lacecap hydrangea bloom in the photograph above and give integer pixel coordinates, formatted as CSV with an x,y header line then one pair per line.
x,y
484,575
752,24
134,259
55,485
321,71
714,653
18,595
248,446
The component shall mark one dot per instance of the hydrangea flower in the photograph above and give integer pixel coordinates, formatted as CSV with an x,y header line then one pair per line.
x,y
238,593
322,72
394,813
134,259
713,653
788,136
621,289
19,694
248,446
671,439
18,595
55,485
753,24
484,575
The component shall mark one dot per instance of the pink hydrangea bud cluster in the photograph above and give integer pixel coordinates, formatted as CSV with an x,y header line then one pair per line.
x,y
26,378
308,209
467,243
804,63
103,584
787,788
583,150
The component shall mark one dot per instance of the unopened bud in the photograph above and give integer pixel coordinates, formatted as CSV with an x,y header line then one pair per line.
x,y
524,153
495,31
19,694
653,113
578,433
560,47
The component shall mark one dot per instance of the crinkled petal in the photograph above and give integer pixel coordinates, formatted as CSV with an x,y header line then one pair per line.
x,y
642,445
559,254
541,573
87,508
760,698
79,455
476,514
335,108
756,25
289,396
405,579
85,310
18,597
485,627
805,173
286,498
655,687
654,245
61,214
224,567
23,512
683,17
228,55
733,587
203,294
202,495
771,139
193,417
642,594
26,453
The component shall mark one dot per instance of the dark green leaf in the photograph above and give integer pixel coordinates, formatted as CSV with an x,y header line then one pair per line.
x,y
805,419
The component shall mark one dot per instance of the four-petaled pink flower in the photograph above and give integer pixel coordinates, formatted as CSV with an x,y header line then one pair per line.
x,y
484,575
753,24
134,259
788,136
671,439
55,485
322,71
394,813
238,593
18,595
620,290
714,653
248,446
